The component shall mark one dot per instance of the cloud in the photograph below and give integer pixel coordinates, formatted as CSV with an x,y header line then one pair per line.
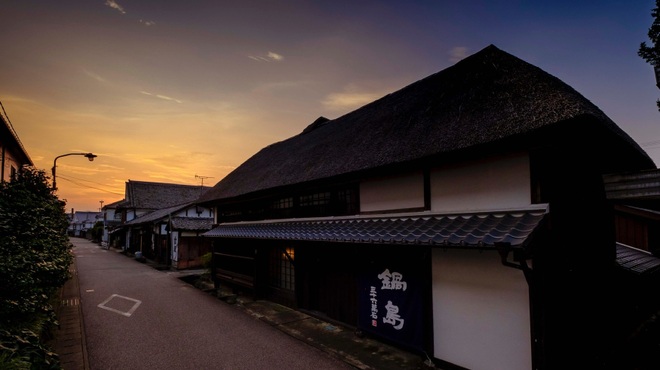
x,y
349,99
279,86
275,56
164,97
113,4
94,76
457,53
270,57
147,23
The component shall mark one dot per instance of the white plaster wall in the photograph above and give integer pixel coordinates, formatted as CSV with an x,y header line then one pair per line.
x,y
175,247
481,317
192,212
496,183
402,191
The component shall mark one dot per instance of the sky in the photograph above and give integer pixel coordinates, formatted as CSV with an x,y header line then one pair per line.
x,y
185,91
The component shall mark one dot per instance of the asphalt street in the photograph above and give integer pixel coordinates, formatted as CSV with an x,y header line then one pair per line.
x,y
136,317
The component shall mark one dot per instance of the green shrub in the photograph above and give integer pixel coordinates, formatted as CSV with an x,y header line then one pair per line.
x,y
34,263
97,232
206,260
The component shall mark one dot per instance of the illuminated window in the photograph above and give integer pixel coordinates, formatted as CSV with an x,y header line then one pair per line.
x,y
282,272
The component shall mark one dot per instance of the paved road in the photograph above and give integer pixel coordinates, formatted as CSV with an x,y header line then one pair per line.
x,y
137,317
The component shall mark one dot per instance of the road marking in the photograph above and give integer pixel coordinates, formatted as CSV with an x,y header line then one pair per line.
x,y
128,313
70,302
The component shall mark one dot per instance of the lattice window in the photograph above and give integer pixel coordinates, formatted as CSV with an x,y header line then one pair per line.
x,y
281,271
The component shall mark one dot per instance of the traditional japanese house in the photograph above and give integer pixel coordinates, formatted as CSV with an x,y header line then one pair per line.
x,y
463,216
172,236
142,198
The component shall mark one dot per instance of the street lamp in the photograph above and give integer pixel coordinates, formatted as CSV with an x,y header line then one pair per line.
x,y
89,156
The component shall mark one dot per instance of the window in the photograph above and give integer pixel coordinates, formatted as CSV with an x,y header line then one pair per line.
x,y
281,270
316,199
283,203
347,202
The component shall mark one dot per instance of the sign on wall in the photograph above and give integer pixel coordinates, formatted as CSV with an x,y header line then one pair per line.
x,y
175,246
391,304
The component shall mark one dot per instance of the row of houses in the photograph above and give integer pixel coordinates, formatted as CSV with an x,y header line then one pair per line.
x,y
488,216
161,222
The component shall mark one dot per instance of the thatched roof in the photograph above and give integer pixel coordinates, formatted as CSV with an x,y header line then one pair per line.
x,y
484,98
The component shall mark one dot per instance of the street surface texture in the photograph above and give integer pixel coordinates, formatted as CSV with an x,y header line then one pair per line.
x,y
136,317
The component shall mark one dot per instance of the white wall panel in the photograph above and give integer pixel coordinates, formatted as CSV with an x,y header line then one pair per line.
x,y
402,191
481,317
498,183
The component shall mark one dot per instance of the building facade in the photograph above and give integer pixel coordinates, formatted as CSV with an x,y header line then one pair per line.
x,y
13,155
463,214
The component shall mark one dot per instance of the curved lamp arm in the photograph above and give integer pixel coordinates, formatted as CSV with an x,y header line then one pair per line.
x,y
89,156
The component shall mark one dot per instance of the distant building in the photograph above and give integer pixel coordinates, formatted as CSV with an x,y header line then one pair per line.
x,y
13,155
82,223
161,221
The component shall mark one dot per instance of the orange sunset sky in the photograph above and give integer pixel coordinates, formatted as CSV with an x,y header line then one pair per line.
x,y
167,90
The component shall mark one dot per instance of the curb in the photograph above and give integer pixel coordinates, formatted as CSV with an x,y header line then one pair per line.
x,y
70,342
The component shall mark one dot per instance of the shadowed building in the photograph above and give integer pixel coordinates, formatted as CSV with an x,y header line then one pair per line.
x,y
463,216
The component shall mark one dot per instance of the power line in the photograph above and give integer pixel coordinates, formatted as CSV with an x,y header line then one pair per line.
x,y
650,144
87,186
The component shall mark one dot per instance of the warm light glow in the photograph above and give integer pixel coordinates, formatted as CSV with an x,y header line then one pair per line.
x,y
290,252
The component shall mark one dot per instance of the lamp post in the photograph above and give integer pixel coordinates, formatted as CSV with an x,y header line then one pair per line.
x,y
89,156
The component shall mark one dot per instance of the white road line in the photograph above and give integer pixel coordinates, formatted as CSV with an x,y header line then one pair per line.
x,y
127,313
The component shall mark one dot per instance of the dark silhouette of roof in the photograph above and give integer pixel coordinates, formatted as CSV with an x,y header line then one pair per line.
x,y
192,224
9,138
178,223
485,98
636,261
155,195
469,230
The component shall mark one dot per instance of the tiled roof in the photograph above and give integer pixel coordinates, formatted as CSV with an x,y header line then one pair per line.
x,y
456,230
179,223
154,195
636,260
634,185
193,224
156,215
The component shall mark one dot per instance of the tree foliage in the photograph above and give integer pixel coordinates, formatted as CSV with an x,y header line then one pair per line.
x,y
97,231
34,257
651,53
